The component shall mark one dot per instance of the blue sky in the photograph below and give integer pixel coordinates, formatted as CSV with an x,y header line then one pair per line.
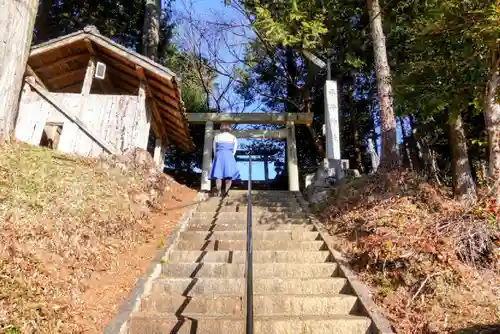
x,y
216,11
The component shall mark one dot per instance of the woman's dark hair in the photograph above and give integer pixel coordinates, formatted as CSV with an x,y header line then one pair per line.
x,y
226,127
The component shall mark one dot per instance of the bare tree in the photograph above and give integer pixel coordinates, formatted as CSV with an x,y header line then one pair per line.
x,y
389,156
151,30
217,48
492,119
224,45
464,187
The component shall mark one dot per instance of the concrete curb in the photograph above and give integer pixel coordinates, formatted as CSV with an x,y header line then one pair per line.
x,y
380,324
119,325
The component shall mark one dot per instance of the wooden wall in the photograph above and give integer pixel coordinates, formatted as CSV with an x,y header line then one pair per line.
x,y
117,119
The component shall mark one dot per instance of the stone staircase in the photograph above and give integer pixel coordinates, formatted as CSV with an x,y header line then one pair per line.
x,y
297,286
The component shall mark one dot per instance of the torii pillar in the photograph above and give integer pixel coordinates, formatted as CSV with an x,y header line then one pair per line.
x,y
291,148
206,183
290,119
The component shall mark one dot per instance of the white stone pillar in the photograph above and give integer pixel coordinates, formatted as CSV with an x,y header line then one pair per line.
x,y
159,153
373,155
145,109
207,156
291,147
332,128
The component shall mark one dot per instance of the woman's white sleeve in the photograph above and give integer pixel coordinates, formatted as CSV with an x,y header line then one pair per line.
x,y
215,143
235,146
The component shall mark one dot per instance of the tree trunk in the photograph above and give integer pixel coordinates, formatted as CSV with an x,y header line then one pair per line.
x,y
402,126
404,151
151,31
427,155
389,158
318,139
434,166
415,154
291,72
484,171
492,120
318,142
16,32
41,21
464,187
357,149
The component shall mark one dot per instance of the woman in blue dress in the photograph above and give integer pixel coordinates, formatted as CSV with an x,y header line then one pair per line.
x,y
224,165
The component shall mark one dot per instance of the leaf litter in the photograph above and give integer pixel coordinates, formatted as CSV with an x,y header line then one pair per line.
x,y
432,263
65,220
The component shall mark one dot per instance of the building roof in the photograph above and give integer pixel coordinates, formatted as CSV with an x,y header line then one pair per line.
x,y
61,64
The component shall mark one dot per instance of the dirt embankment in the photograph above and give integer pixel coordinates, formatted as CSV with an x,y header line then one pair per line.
x,y
76,233
433,264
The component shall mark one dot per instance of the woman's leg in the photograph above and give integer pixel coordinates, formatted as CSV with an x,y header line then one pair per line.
x,y
218,184
228,185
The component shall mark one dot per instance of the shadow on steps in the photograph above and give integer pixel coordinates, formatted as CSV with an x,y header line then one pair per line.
x,y
480,329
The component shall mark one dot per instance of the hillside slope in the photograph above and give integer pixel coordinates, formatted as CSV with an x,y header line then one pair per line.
x,y
433,264
75,233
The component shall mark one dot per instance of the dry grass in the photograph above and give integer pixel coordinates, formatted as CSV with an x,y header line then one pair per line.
x,y
63,219
432,263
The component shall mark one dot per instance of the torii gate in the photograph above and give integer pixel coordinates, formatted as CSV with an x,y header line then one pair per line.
x,y
264,157
288,119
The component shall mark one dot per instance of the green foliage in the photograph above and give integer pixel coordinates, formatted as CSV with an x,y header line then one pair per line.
x,y
296,23
167,49
440,53
194,96
13,330
121,20
283,79
443,52
193,86
479,142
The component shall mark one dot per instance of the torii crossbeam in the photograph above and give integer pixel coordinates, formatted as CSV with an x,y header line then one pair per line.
x,y
288,119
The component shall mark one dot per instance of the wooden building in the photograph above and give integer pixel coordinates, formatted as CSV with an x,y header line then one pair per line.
x,y
86,94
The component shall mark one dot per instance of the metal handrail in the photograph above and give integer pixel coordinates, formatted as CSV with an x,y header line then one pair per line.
x,y
249,292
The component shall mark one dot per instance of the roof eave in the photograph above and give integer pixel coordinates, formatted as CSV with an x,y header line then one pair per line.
x,y
138,59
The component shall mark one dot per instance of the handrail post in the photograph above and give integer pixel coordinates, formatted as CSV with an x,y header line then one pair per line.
x,y
249,292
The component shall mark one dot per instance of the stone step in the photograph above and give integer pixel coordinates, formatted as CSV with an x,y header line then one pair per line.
x,y
278,305
241,256
255,201
255,204
241,245
261,193
260,270
265,203
256,235
255,209
278,201
264,193
239,219
255,226
261,286
155,323
255,215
